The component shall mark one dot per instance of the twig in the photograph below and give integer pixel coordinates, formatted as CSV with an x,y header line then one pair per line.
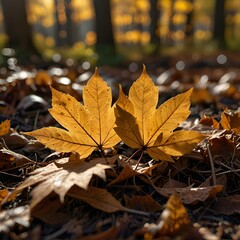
x,y
145,214
211,164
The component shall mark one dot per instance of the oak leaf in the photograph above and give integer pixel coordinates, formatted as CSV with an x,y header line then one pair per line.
x,y
141,126
88,127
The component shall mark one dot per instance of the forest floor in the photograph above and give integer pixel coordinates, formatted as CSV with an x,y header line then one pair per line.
x,y
197,196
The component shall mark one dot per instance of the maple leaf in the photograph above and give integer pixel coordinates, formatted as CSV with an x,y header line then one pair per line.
x,y
61,176
141,126
88,127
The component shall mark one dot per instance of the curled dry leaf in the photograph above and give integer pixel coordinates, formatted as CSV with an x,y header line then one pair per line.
x,y
141,126
88,127
61,175
5,127
231,121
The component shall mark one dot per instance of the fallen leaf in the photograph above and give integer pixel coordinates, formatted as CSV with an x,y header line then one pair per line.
x,y
173,220
228,205
15,140
141,126
174,217
9,159
5,127
129,171
57,215
209,121
98,198
144,203
230,121
88,127
190,195
61,175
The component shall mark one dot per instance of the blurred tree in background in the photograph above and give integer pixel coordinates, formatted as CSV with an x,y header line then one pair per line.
x,y
108,29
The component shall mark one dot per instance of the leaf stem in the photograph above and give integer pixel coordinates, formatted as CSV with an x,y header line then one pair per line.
x,y
102,152
139,160
133,154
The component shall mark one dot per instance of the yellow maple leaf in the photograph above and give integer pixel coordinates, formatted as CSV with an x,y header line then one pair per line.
x,y
89,126
5,127
141,126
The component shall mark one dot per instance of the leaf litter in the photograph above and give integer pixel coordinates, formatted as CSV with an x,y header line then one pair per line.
x,y
99,177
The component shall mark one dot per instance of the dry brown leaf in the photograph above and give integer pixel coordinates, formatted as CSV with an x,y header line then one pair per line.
x,y
231,121
209,121
61,175
190,195
221,148
144,203
129,171
14,140
98,198
88,127
141,126
228,205
57,215
9,159
5,127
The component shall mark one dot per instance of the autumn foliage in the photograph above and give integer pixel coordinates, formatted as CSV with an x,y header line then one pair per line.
x,y
134,120
132,156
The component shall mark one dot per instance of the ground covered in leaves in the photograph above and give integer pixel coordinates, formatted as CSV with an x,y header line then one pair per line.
x,y
52,194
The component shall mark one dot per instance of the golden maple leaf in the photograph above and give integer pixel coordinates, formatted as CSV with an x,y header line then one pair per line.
x,y
141,126
88,127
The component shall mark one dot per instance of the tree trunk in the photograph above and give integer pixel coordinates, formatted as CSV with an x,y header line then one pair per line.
x,y
104,29
16,25
219,22
154,13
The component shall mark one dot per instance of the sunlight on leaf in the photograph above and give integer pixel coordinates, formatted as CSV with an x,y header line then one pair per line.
x,y
61,175
141,126
89,126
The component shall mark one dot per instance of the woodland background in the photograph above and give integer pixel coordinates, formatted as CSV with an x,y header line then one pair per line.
x,y
183,44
